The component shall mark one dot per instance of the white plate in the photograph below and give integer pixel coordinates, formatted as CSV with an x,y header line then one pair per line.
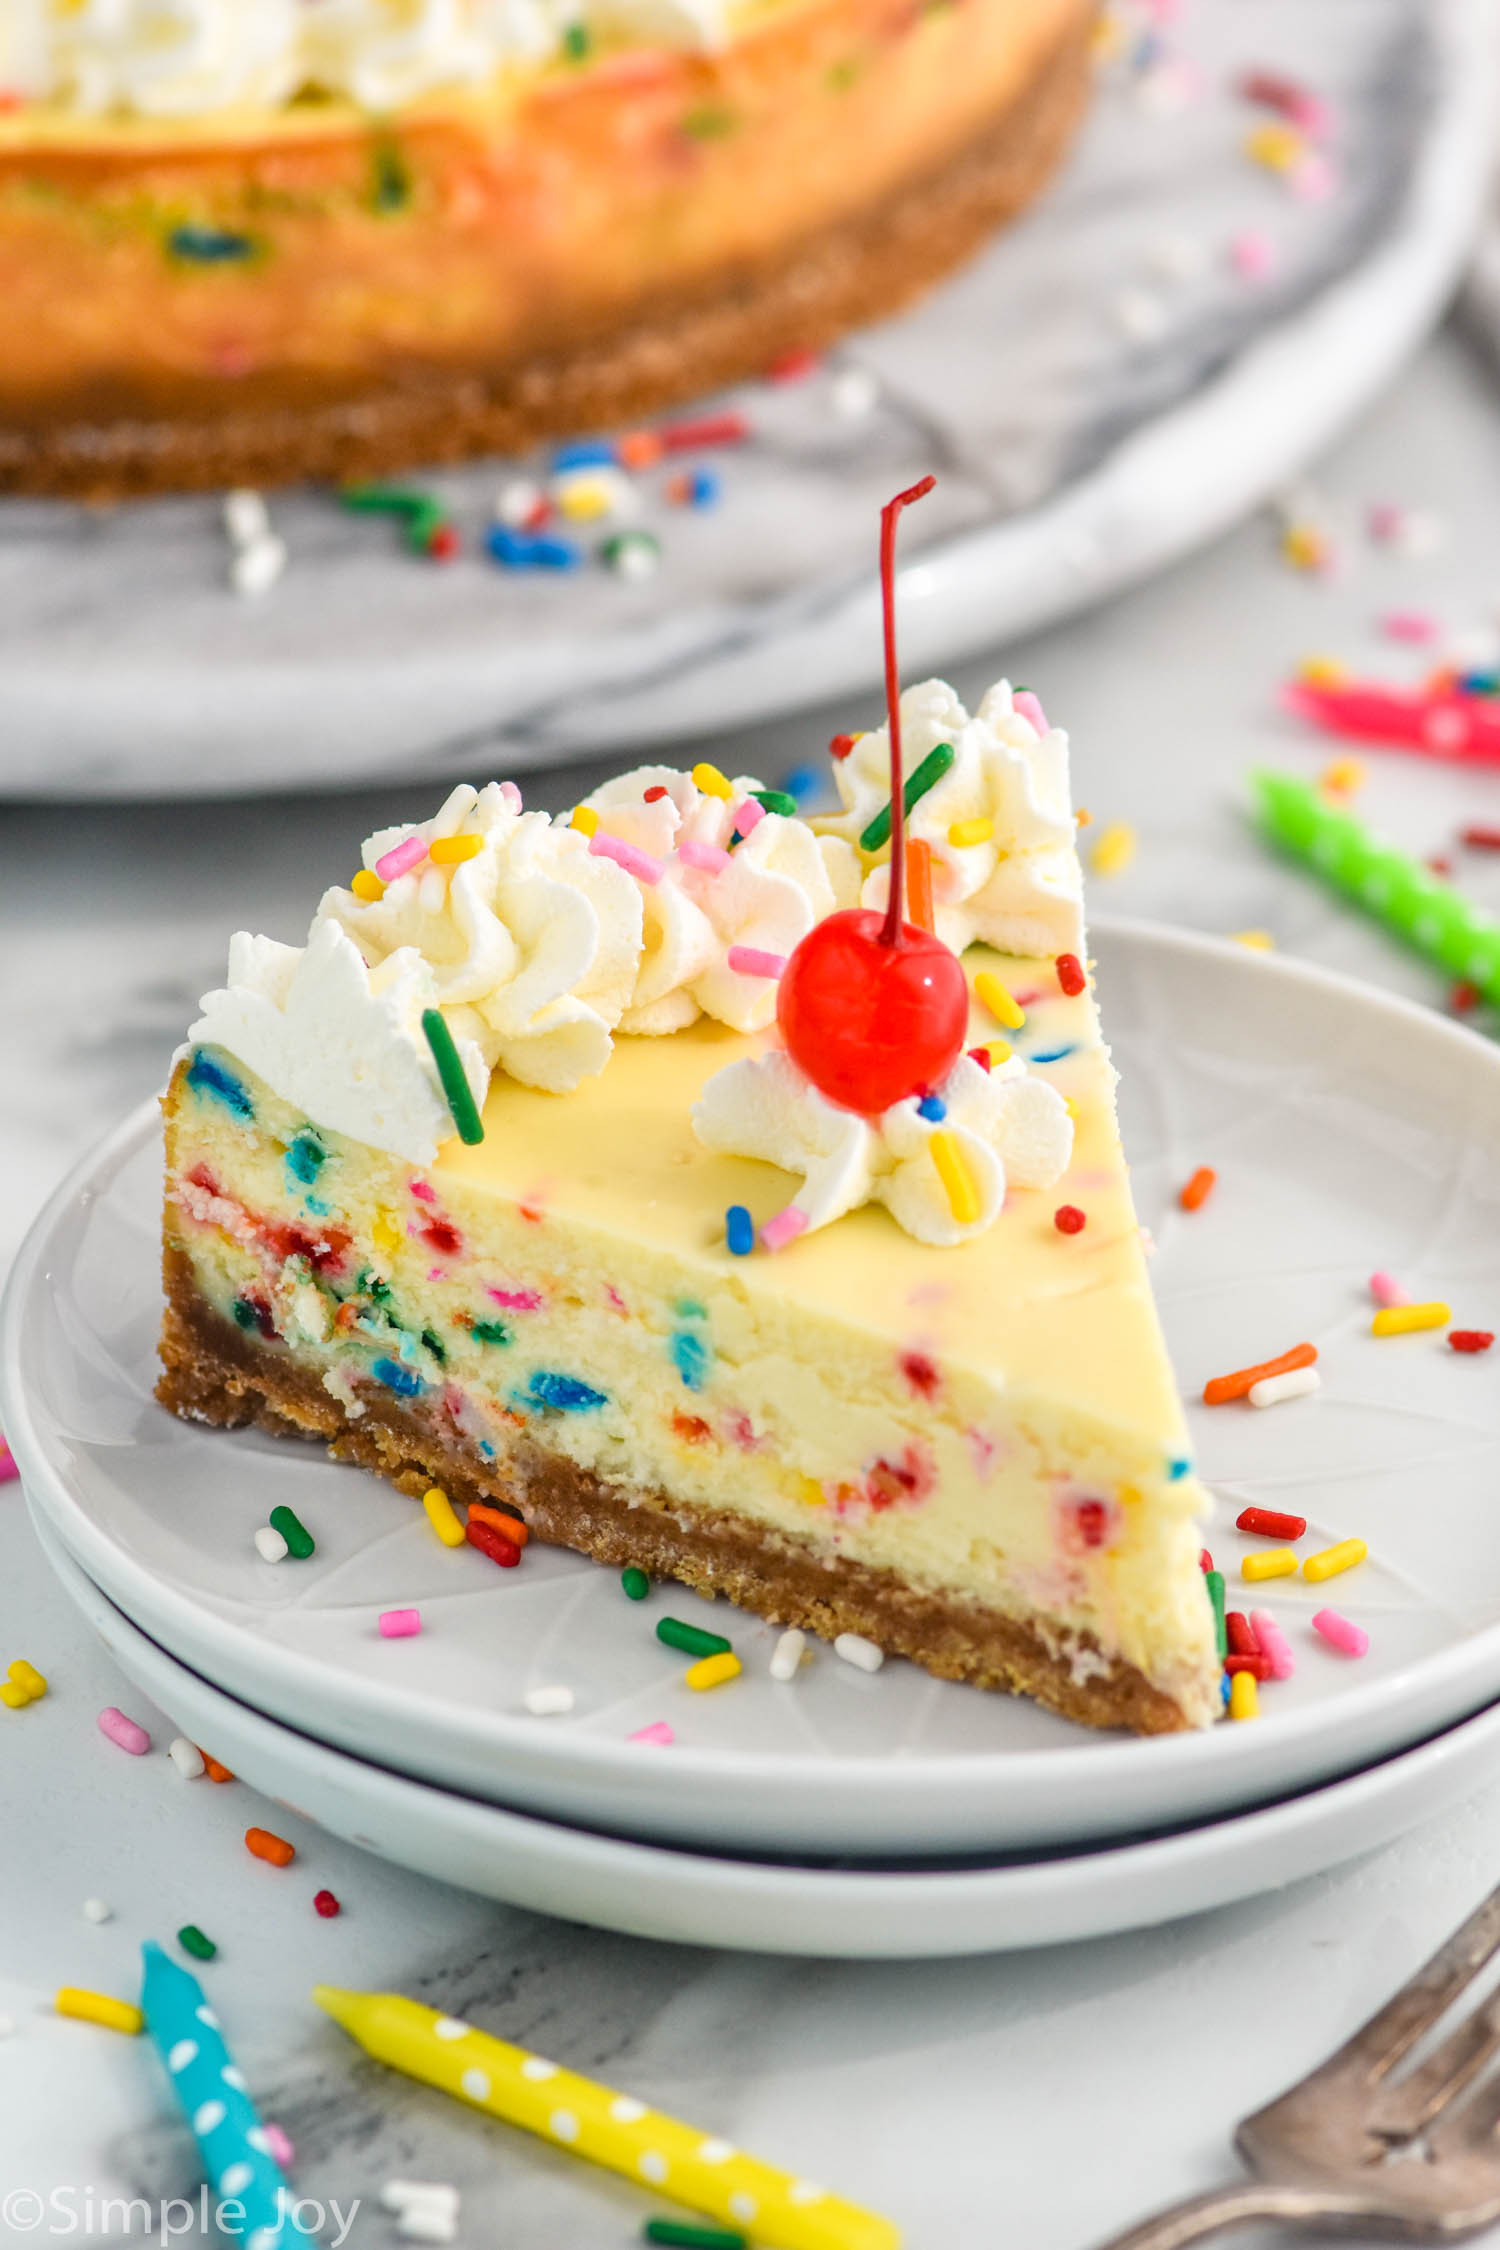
x,y
1090,417
849,1913
1350,1131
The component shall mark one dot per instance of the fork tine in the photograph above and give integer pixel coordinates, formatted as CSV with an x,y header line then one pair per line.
x,y
1393,2030
1406,2108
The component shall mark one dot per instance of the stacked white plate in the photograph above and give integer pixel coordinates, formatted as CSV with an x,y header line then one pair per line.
x,y
845,1813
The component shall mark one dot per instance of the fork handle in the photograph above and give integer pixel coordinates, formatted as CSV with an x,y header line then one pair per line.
x,y
1203,2216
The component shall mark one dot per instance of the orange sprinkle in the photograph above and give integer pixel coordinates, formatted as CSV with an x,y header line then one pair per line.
x,y
1199,1188
264,1845
919,884
509,1527
1225,1387
213,1769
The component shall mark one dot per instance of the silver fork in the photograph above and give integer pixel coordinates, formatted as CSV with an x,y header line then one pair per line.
x,y
1348,2152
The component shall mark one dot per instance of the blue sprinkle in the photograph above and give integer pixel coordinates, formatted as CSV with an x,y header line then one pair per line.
x,y
206,1076
933,1109
583,453
1479,683
688,1308
739,1230
305,1158
1178,1466
1053,1054
563,1393
520,550
210,246
397,1378
802,781
691,1355
1224,1690
704,489
487,1449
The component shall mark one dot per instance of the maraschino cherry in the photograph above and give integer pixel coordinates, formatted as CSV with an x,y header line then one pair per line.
x,y
873,1009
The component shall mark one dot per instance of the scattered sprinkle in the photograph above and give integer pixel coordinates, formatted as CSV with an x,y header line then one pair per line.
x,y
23,1684
877,833
186,1757
585,819
713,1671
635,1582
1405,1320
1255,941
325,1904
635,555
1271,1562
672,2231
1471,1339
635,862
522,550
440,1514
98,1910
548,1702
1342,777
1244,1696
1114,849
1268,1523
123,1732
1274,1645
1068,1219
691,1640
1387,1292
998,999
751,961
452,851
269,1544
456,1089
1070,973
864,1655
275,1850
1199,1188
192,1940
1349,1639
213,1769
480,1532
1416,626
739,1230
1273,1390
658,1735
299,1539
1213,1582
958,1181
786,1656
1329,1562
256,568
784,1227
853,393
400,1624
99,2007
1222,1388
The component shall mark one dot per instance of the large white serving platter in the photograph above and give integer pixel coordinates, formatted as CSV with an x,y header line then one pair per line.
x,y
1099,392
1350,1131
867,1911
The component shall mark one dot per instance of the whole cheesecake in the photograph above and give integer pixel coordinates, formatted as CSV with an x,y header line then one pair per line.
x,y
260,240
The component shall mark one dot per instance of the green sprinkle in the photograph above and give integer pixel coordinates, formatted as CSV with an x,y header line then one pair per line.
x,y
210,246
451,1071
777,801
422,524
636,1584
385,499
690,1640
490,1332
436,1346
840,76
192,1940
392,190
709,123
299,1539
1214,1580
691,2238
925,777
576,41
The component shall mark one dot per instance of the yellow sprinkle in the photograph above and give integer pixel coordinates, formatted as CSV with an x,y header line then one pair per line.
x,y
1070,1106
368,886
1342,778
713,1671
1322,671
13,1695
957,1179
98,2007
1400,1320
1259,941
998,1050
1332,1560
1277,147
965,832
1083,817
584,819
1304,546
1107,38
711,781
385,1234
1114,850
811,1493
997,999
28,1677
441,1517
447,851
1244,1696
1270,1562
581,499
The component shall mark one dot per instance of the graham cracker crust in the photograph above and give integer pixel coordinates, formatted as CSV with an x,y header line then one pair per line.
x,y
213,1373
858,271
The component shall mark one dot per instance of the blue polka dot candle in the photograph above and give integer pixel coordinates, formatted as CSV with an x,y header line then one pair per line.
x,y
249,2187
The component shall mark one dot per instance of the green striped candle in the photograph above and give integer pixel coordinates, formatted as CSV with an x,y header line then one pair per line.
x,y
1403,896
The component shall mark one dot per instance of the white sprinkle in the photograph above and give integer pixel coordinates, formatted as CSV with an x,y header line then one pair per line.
x,y
517,502
635,555
269,1544
854,393
426,2222
185,1755
398,2195
95,1910
255,569
245,517
1296,1383
1141,316
787,1654
855,1649
548,1702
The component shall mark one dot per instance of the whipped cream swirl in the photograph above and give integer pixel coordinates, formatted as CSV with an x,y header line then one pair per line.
x,y
1017,886
157,58
1008,1128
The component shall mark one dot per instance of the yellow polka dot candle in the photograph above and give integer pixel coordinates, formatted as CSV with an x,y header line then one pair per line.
x,y
615,2130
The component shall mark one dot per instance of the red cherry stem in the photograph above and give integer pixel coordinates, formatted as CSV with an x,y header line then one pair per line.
x,y
891,932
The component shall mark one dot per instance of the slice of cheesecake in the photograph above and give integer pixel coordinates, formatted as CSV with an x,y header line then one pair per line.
x,y
969,1450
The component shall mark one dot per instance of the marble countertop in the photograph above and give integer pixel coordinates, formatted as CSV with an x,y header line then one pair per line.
x,y
1038,2100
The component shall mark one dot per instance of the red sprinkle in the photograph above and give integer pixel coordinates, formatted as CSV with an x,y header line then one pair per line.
x,y
1240,1634
1471,1339
489,1542
1440,864
1070,975
326,1904
655,796
1260,1666
1481,839
1068,1219
1270,1525
983,1057
1199,1188
1463,997
708,429
1205,1559
444,543
841,745
792,366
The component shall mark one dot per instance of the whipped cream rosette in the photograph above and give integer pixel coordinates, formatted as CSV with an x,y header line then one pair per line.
x,y
159,58
1008,1128
998,823
701,900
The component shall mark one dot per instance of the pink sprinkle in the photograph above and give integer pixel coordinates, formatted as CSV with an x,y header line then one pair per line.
x,y
437,1273
1030,708
1314,178
711,858
748,815
519,1300
640,864
1385,1291
1252,254
124,1732
1385,521
8,1468
278,2147
784,1228
400,857
1274,1645
749,961
399,1624
421,1190
512,796
1347,1638
658,1734
1409,625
